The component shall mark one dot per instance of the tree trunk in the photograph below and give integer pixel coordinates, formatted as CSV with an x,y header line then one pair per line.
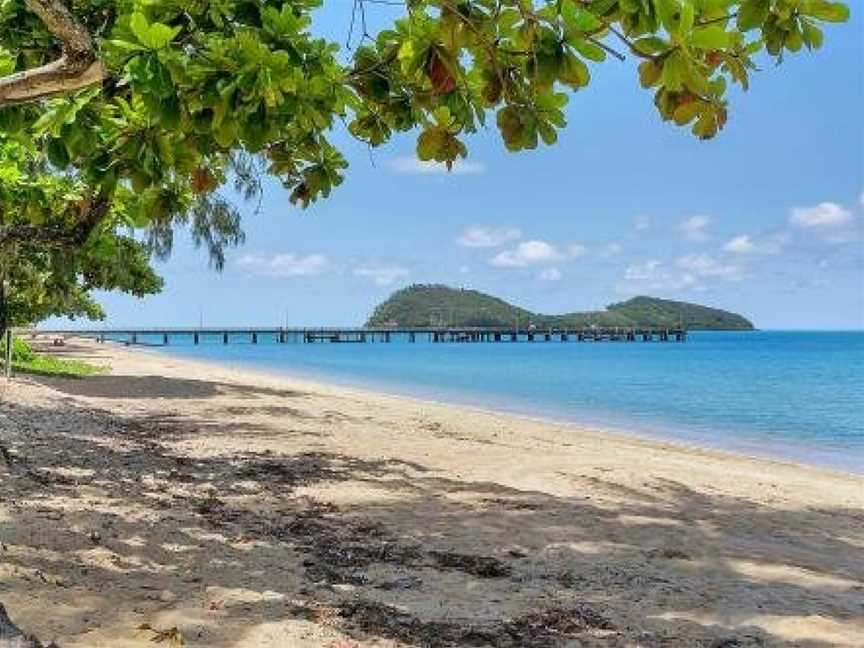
x,y
4,321
77,68
4,311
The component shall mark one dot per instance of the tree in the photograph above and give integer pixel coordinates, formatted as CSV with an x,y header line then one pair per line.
x,y
152,106
38,281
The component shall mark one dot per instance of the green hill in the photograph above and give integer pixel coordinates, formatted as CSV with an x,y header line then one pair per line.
x,y
437,305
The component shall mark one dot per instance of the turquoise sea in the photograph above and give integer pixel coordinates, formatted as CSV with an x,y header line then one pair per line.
x,y
793,395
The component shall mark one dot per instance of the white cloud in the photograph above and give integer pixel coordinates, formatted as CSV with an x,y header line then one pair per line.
x,y
413,166
643,271
284,265
827,222
745,244
690,272
655,275
826,214
487,237
526,253
551,274
695,228
577,250
742,244
703,265
610,250
383,274
641,223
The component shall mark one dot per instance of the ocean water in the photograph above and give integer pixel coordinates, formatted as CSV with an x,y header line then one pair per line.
x,y
790,395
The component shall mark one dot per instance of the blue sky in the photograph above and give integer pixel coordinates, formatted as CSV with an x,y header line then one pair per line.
x,y
766,219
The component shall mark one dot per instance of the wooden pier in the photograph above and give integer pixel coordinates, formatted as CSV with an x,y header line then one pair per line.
x,y
449,335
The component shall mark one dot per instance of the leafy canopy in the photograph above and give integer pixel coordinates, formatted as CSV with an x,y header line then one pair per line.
x,y
42,281
139,111
191,82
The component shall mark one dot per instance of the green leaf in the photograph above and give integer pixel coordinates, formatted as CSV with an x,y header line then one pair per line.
x,y
589,50
705,127
577,18
429,142
688,16
827,11
547,132
518,128
7,63
651,45
126,46
811,34
443,117
794,40
435,143
152,35
753,13
57,153
710,38
649,73
674,71
685,113
573,71
669,12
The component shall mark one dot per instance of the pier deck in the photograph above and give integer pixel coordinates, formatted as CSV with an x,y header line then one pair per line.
x,y
330,335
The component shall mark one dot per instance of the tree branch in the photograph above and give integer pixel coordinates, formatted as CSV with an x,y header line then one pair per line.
x,y
77,67
57,237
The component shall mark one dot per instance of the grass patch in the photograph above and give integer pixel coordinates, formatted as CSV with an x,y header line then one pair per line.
x,y
26,360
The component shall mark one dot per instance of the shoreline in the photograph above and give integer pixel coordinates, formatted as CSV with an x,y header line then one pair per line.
x,y
251,510
571,424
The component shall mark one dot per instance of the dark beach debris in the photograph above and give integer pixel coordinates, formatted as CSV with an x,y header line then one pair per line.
x,y
280,474
334,561
306,524
479,566
338,552
211,506
550,628
359,555
744,640
16,463
11,636
181,476
292,471
669,553
401,583
170,636
509,504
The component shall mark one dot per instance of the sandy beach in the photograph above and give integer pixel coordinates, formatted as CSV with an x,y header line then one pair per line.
x,y
168,497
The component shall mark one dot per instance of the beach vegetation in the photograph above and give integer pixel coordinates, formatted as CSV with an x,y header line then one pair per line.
x,y
127,120
26,360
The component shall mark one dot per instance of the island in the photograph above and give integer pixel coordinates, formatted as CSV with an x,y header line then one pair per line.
x,y
422,305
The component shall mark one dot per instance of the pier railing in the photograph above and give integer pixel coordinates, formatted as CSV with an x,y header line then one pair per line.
x,y
361,335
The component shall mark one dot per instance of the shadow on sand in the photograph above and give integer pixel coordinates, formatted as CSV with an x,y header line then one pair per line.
x,y
403,566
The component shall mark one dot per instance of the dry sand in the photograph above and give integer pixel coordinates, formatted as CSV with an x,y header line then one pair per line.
x,y
253,511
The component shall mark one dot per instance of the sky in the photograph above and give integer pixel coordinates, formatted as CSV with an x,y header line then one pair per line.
x,y
767,219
